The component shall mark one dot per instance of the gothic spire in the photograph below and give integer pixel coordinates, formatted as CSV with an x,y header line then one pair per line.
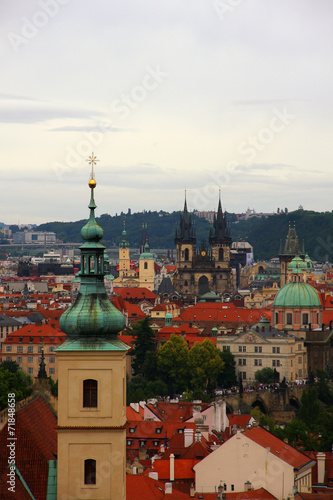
x,y
185,231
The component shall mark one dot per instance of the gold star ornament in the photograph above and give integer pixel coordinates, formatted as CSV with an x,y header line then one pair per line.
x,y
92,160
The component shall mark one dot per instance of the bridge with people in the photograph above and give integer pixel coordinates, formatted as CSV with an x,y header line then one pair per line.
x,y
281,403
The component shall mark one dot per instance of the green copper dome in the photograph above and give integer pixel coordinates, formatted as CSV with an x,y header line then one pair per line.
x,y
297,294
297,265
92,314
146,254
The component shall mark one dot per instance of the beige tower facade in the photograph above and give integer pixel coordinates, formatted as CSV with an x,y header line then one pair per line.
x,y
124,258
91,423
147,269
92,389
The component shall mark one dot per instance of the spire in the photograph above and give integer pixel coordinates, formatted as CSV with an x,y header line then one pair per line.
x,y
92,314
42,372
185,203
291,246
124,243
220,232
185,231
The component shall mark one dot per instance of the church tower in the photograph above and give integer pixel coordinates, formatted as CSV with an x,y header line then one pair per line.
x,y
220,239
124,257
185,240
290,250
147,269
206,269
92,375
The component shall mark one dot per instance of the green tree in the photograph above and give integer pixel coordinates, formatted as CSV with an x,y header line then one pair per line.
x,y
325,424
18,383
205,365
299,436
324,392
11,366
227,378
172,364
265,375
309,410
149,367
144,341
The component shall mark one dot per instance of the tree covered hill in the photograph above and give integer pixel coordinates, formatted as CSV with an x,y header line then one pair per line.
x,y
265,235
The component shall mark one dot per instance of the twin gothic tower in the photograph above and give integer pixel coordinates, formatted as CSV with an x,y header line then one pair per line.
x,y
206,269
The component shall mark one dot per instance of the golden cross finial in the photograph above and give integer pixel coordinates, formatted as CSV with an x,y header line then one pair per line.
x,y
92,160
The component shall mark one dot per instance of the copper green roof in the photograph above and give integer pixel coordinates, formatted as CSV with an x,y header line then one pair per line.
x,y
297,294
146,254
297,265
93,344
92,314
124,243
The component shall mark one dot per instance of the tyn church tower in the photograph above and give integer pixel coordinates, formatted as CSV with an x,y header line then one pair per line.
x,y
208,268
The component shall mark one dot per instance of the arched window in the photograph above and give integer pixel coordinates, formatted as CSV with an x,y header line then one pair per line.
x,y
289,319
90,471
185,282
90,393
186,254
220,253
145,265
276,318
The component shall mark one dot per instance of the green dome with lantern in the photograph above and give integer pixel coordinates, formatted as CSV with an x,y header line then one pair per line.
x,y
297,294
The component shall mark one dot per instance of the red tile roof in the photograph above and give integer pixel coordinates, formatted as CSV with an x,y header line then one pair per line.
x,y
183,468
174,412
50,334
36,444
135,293
223,312
278,447
142,487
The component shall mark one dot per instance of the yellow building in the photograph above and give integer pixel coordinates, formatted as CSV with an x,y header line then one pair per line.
x,y
263,346
92,390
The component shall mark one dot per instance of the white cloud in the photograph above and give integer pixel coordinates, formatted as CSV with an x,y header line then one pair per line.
x,y
224,78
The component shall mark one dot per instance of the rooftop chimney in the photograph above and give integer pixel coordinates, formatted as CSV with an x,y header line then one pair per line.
x,y
168,488
192,491
172,468
188,437
321,458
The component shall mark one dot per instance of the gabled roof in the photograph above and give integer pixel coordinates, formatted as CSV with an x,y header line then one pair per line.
x,y
24,334
137,293
278,447
222,312
174,412
142,487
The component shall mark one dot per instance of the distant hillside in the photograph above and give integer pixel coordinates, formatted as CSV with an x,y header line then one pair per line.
x,y
315,228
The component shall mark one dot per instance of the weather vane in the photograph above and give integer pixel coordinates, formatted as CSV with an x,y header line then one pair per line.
x,y
92,160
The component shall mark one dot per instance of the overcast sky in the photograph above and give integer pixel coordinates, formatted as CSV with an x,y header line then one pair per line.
x,y
167,94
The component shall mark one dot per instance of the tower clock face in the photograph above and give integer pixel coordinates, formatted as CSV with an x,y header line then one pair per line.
x,y
203,253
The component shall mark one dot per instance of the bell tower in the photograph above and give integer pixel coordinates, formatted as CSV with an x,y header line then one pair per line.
x,y
124,256
92,390
220,242
185,240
